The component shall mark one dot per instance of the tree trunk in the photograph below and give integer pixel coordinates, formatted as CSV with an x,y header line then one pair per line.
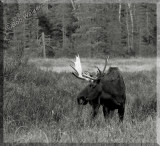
x,y
120,7
37,30
24,34
132,26
140,32
147,23
44,45
14,37
63,30
22,8
128,34
46,7
73,5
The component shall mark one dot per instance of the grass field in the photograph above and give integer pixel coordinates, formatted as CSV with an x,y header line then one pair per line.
x,y
126,65
40,103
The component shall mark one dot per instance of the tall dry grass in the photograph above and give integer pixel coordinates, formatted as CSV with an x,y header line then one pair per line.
x,y
126,65
41,106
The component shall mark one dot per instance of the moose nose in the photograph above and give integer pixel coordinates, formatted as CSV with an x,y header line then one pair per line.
x,y
81,100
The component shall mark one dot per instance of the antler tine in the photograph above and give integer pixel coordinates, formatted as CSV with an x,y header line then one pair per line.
x,y
74,69
78,76
98,70
89,77
106,62
78,69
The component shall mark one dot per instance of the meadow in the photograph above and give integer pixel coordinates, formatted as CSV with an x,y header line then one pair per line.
x,y
40,103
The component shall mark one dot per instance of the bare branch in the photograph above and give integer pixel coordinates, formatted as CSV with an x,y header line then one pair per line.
x,y
120,7
73,4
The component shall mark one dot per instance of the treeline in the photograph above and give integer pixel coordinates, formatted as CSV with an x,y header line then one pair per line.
x,y
90,29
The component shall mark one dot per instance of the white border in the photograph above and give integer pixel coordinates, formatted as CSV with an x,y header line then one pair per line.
x,y
122,1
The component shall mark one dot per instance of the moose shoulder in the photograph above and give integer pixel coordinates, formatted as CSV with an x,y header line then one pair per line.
x,y
106,89
113,84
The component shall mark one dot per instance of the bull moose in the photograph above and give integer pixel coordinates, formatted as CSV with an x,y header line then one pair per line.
x,y
106,90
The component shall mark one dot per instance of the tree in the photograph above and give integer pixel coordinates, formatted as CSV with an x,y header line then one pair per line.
x,y
90,29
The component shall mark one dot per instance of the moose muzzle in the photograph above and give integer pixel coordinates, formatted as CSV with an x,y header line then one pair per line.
x,y
82,100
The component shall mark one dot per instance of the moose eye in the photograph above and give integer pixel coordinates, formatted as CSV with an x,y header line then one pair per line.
x,y
90,85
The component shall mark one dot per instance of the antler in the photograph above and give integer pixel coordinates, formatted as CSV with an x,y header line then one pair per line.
x,y
99,73
86,75
78,69
106,62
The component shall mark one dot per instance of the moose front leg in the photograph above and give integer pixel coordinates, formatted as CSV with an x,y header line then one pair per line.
x,y
95,109
106,112
121,113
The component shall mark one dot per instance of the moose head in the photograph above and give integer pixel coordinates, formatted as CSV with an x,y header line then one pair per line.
x,y
94,88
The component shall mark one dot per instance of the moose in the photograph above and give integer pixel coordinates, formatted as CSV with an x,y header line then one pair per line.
x,y
106,90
